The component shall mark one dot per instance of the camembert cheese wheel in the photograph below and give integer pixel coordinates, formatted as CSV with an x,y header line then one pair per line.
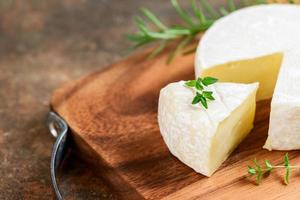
x,y
260,44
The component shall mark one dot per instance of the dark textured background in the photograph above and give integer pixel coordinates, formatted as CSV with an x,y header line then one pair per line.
x,y
43,44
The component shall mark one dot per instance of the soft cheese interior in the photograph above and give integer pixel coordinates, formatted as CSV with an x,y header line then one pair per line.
x,y
204,138
263,69
284,127
247,46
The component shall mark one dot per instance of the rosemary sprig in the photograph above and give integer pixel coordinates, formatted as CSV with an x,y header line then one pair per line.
x,y
198,20
202,96
259,171
193,23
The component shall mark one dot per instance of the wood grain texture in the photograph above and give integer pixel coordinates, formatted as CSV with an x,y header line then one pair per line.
x,y
113,118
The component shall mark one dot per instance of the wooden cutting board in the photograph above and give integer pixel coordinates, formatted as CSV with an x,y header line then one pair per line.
x,y
113,117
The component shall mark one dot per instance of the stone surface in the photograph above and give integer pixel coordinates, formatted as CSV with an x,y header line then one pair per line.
x,y
43,44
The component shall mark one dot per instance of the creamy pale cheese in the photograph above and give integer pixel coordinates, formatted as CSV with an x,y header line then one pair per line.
x,y
263,69
203,138
284,130
252,45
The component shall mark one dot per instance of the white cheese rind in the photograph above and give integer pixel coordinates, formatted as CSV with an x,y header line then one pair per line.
x,y
189,130
254,32
249,33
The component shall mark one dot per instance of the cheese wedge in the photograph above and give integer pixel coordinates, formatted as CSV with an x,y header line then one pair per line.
x,y
204,138
253,45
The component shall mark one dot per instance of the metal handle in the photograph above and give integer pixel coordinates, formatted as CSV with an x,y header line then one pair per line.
x,y
59,129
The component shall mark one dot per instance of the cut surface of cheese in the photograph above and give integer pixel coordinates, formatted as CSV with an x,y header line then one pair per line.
x,y
263,69
252,45
284,127
203,138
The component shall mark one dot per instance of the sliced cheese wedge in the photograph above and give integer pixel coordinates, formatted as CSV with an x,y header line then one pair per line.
x,y
204,138
253,45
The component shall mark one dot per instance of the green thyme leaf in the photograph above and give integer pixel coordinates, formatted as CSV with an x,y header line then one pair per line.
x,y
208,95
269,167
259,172
286,160
197,98
199,79
259,177
199,86
191,83
203,101
251,170
256,164
209,80
287,169
287,174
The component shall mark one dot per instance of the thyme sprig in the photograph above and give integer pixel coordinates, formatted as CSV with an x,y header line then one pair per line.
x,y
202,96
259,170
198,20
